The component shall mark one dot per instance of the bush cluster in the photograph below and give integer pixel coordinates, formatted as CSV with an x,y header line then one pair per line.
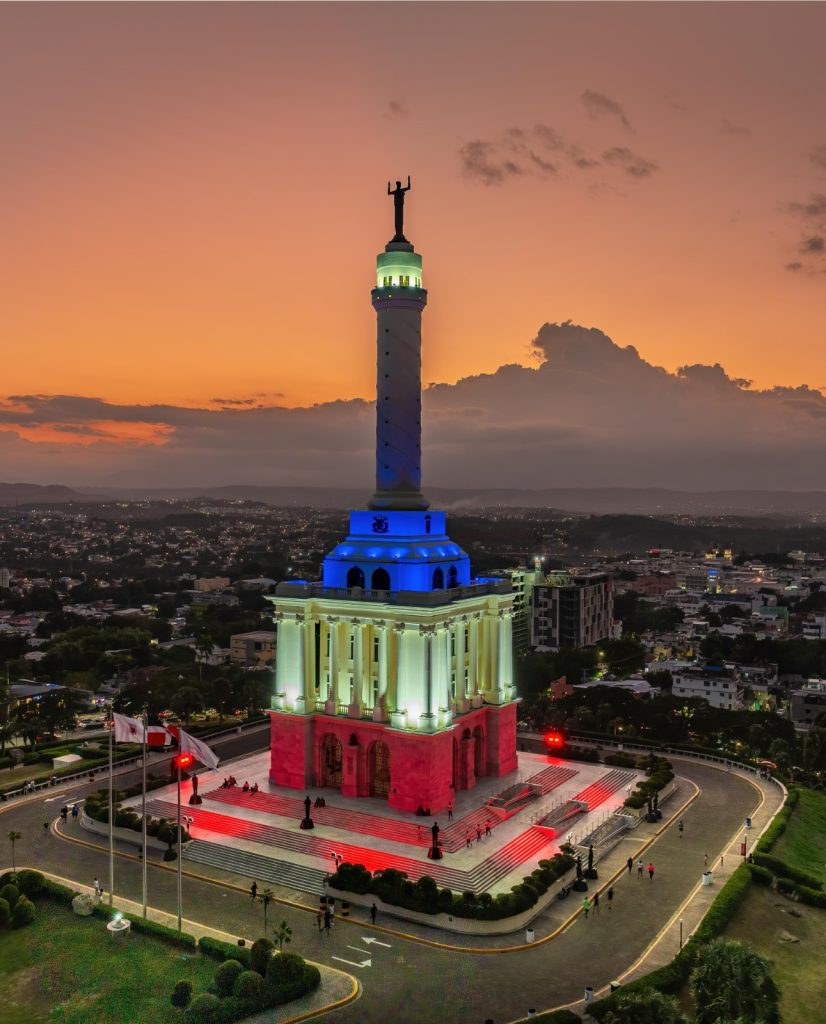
x,y
660,773
425,897
778,825
215,949
239,990
16,909
97,808
783,870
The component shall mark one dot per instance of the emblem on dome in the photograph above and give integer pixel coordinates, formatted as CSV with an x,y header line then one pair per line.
x,y
381,524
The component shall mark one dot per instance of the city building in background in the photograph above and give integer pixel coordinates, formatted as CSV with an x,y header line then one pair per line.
x,y
571,610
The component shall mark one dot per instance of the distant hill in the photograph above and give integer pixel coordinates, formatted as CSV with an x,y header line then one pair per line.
x,y
43,494
584,500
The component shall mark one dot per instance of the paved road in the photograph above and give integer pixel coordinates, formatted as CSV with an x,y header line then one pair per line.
x,y
411,982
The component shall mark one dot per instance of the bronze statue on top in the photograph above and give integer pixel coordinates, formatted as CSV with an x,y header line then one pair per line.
x,y
398,207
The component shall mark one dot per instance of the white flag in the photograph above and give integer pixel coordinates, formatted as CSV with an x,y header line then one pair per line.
x,y
199,750
127,730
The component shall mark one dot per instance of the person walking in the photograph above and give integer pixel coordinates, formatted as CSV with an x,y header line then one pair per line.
x,y
449,811
629,864
64,812
75,811
98,890
487,827
373,911
467,840
319,922
639,868
705,860
680,827
586,906
651,872
595,904
254,890
328,920
610,896
478,833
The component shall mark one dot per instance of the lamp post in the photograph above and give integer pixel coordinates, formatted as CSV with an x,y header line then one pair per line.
x,y
182,761
681,933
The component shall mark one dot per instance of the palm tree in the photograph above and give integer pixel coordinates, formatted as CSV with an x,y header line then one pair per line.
x,y
646,1008
266,897
282,934
13,837
732,980
7,732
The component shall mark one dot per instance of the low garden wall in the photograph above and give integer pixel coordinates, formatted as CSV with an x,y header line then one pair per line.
x,y
126,835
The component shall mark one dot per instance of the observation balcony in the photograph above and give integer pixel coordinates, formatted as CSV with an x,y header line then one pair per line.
x,y
410,598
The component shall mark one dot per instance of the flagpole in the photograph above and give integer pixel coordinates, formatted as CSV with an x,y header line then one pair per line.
x,y
111,810
180,845
143,811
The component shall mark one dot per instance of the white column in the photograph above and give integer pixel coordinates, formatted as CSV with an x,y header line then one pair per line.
x,y
429,698
381,708
473,661
299,686
282,659
332,692
399,696
358,671
459,628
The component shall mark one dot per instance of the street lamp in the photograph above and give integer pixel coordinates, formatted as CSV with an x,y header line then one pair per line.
x,y
182,761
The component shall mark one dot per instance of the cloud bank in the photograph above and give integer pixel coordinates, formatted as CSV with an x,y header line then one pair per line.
x,y
589,413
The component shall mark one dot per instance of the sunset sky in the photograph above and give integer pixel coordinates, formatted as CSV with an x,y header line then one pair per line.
x,y
193,196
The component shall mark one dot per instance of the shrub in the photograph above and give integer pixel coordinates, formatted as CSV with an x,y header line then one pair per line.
x,y
249,985
225,976
56,892
215,949
5,914
260,956
202,1008
779,867
785,886
559,1017
8,878
182,994
11,894
23,913
814,897
30,883
291,977
620,760
760,874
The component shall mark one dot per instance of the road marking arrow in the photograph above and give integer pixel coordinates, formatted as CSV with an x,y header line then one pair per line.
x,y
341,960
367,940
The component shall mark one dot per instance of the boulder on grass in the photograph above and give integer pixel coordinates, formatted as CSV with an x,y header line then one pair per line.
x,y
83,904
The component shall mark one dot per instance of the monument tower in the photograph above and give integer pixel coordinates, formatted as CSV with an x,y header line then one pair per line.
x,y
394,673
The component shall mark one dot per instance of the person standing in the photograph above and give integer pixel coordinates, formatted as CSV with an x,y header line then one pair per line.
x,y
478,833
467,840
610,896
629,864
586,906
680,827
651,872
254,890
319,922
373,911
487,827
639,868
98,890
449,811
328,920
595,904
705,860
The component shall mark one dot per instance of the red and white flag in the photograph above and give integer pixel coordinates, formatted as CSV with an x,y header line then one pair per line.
x,y
200,751
130,730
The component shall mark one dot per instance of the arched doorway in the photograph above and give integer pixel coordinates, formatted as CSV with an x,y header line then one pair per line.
x,y
355,578
380,580
329,768
438,580
452,578
479,753
379,768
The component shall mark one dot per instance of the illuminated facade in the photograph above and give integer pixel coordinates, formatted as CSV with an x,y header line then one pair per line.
x,y
394,673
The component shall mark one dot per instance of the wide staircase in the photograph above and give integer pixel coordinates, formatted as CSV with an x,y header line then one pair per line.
x,y
587,799
256,866
552,777
479,878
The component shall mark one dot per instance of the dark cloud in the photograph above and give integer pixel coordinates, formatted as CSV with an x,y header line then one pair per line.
x,y
397,108
730,128
794,266
630,162
814,243
813,209
483,162
519,426
598,105
818,156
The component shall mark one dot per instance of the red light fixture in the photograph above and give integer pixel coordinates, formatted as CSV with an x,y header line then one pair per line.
x,y
184,761
554,739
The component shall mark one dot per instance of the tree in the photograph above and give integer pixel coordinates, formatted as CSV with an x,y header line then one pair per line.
x,y
13,837
732,980
650,1007
186,701
283,933
204,645
266,897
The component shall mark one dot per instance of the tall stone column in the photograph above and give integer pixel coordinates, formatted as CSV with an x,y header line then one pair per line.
x,y
399,695
297,685
505,667
428,716
358,671
331,704
473,661
282,661
380,711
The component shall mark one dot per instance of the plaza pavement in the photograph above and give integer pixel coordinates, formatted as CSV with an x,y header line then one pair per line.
x,y
419,978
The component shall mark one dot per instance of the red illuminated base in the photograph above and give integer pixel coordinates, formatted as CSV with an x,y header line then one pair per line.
x,y
413,771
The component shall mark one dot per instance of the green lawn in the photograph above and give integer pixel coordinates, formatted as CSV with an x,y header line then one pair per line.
x,y
803,844
70,970
796,967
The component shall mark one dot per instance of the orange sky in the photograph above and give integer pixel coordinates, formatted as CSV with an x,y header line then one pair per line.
x,y
193,194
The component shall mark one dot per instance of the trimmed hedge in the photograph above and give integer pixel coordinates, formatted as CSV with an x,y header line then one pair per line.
x,y
146,927
425,897
23,912
779,867
778,825
761,875
671,978
814,897
215,949
558,1017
